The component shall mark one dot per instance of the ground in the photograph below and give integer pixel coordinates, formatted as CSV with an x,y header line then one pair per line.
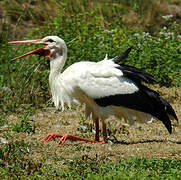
x,y
150,140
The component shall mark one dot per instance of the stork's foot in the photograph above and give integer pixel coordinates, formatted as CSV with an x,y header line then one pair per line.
x,y
51,136
64,137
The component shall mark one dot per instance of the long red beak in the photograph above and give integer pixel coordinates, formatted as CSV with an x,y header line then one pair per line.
x,y
39,51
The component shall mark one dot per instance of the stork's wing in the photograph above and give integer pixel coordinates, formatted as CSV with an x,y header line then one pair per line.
x,y
98,80
110,84
145,100
106,78
117,59
137,75
122,56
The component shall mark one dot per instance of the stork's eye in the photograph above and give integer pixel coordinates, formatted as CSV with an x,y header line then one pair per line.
x,y
50,40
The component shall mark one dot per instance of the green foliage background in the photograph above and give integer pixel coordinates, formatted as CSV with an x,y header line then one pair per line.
x,y
91,30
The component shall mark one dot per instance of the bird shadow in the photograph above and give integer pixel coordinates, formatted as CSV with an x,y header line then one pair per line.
x,y
115,141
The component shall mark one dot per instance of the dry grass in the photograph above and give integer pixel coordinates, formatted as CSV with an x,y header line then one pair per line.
x,y
146,140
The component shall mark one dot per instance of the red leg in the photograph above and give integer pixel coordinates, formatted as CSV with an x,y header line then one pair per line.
x,y
68,136
97,129
76,138
51,136
104,131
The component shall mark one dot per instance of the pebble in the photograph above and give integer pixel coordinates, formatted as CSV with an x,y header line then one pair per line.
x,y
3,140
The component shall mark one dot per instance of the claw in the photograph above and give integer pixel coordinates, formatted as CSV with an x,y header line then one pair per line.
x,y
51,136
64,137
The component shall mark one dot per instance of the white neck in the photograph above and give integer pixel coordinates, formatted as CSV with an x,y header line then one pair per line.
x,y
57,62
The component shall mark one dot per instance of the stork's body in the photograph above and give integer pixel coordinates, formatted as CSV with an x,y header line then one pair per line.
x,y
105,87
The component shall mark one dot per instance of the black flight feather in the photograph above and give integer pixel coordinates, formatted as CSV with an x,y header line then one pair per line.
x,y
137,75
123,56
144,100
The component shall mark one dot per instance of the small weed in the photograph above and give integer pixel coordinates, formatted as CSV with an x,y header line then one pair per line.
x,y
2,120
65,123
25,125
83,148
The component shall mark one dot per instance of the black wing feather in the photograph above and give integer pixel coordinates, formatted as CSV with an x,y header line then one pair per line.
x,y
137,75
144,100
122,56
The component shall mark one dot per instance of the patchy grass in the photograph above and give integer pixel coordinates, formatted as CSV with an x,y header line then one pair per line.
x,y
141,151
91,30
138,168
16,162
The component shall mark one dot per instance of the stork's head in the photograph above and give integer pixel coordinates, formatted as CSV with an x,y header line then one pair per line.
x,y
53,46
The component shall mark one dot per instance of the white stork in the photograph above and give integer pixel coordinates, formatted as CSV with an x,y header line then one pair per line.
x,y
105,87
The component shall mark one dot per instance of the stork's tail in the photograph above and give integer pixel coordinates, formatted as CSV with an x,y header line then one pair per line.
x,y
123,56
162,109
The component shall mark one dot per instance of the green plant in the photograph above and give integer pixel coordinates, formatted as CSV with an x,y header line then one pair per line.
x,y
25,125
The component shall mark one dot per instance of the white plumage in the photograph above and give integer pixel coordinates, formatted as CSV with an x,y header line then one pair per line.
x,y
96,80
105,87
85,81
